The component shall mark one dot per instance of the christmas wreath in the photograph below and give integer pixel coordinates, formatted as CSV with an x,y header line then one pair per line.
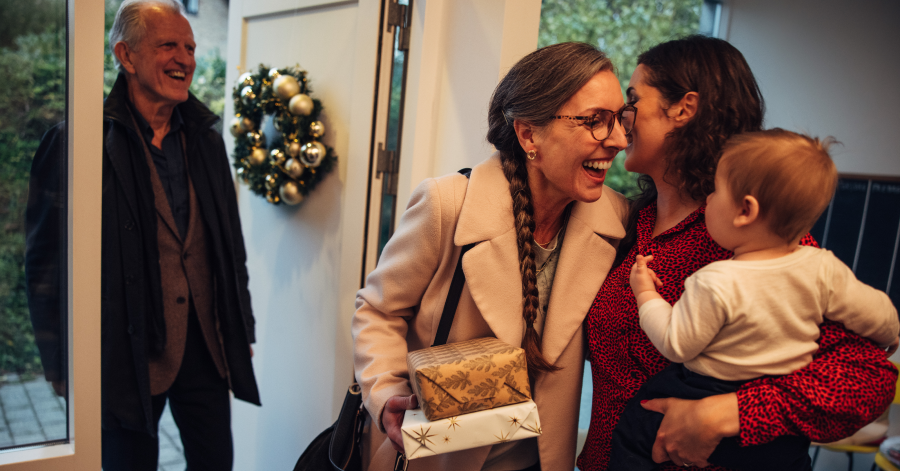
x,y
294,162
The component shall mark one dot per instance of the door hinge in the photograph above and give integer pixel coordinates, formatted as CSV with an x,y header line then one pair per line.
x,y
386,168
397,16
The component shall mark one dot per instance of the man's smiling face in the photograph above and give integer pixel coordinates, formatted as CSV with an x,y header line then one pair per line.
x,y
163,63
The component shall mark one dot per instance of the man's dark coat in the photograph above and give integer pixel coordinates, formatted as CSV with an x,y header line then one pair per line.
x,y
131,289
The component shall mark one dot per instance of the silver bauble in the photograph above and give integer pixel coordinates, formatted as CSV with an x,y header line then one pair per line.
x,y
247,95
312,153
246,79
294,149
247,123
237,127
286,86
294,168
290,193
274,73
301,104
257,156
277,156
256,138
271,181
317,129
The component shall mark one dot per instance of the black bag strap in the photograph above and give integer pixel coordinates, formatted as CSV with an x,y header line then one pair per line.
x,y
453,294
453,299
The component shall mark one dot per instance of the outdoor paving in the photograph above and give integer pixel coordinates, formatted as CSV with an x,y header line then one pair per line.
x,y
30,413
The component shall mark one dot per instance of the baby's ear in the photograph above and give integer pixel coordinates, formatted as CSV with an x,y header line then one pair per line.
x,y
749,211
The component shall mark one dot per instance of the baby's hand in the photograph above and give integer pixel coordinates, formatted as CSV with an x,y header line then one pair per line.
x,y
643,279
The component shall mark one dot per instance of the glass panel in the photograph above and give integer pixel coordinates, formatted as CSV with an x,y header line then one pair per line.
x,y
623,29
392,139
33,222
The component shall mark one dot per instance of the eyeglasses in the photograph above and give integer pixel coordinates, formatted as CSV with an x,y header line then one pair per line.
x,y
601,123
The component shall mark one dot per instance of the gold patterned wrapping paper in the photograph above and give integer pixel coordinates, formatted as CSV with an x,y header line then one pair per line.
x,y
453,379
424,438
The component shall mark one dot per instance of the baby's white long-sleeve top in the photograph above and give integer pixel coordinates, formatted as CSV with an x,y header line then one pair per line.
x,y
739,320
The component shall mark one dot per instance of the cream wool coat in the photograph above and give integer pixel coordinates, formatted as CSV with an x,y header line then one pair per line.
x,y
399,308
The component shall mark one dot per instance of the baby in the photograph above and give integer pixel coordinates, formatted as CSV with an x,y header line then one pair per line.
x,y
758,313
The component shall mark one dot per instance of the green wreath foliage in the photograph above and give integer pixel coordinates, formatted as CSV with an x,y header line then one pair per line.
x,y
255,98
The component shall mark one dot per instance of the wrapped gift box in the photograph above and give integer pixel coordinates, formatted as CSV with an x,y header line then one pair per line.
x,y
424,438
453,379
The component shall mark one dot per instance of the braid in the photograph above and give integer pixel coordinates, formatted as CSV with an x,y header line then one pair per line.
x,y
515,171
532,92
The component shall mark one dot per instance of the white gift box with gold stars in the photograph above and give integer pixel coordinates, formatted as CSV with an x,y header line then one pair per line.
x,y
507,423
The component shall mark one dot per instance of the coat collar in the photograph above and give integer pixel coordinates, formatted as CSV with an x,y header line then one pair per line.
x,y
195,115
492,266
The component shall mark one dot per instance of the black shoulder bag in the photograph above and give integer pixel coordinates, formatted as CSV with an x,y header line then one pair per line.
x,y
338,447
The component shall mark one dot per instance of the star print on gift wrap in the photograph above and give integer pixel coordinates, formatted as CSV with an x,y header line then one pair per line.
x,y
422,436
453,422
296,162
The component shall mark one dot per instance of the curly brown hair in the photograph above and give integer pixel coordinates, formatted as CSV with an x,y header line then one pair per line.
x,y
729,103
532,92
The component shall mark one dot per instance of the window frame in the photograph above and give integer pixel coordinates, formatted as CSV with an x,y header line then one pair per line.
x,y
84,77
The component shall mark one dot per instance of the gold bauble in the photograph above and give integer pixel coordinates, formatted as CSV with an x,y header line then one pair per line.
x,y
257,156
294,149
256,138
286,86
247,95
290,193
237,127
277,156
247,123
246,79
317,129
271,181
274,73
301,104
294,168
312,153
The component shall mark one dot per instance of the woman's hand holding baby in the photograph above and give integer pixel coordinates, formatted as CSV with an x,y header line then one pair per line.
x,y
643,280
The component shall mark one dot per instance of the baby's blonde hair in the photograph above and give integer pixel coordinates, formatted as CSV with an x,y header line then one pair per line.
x,y
791,175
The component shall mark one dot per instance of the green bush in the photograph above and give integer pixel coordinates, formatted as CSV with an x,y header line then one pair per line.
x,y
32,101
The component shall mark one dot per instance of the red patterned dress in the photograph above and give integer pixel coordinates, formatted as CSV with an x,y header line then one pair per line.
x,y
848,384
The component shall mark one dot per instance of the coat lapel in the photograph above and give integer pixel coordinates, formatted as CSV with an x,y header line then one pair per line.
x,y
492,266
585,259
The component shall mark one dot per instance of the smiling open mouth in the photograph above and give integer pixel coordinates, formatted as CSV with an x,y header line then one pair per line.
x,y
176,74
597,168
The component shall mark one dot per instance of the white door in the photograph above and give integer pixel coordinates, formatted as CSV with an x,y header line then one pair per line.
x,y
305,262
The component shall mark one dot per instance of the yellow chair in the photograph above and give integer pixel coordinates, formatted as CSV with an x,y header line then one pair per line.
x,y
870,448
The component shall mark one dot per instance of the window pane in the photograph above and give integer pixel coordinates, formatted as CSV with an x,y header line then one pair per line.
x,y
33,215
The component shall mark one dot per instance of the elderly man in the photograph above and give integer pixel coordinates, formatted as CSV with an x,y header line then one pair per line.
x,y
176,317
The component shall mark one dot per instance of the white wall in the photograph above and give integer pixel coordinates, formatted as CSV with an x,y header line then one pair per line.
x,y
460,50
827,67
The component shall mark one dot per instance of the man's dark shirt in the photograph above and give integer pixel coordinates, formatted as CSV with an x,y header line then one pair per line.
x,y
170,166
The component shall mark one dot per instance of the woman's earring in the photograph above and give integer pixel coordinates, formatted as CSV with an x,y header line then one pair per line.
x,y
531,155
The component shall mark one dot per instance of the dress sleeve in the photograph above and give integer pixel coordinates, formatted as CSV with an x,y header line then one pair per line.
x,y
848,385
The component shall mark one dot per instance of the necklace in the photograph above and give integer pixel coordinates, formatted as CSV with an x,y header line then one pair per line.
x,y
544,245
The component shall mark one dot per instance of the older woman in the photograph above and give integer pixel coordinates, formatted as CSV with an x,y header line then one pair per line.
x,y
691,95
536,211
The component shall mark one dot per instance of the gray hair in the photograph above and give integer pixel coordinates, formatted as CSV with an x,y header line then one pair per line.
x,y
129,27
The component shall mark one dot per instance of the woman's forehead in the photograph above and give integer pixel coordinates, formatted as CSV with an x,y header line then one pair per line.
x,y
601,92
